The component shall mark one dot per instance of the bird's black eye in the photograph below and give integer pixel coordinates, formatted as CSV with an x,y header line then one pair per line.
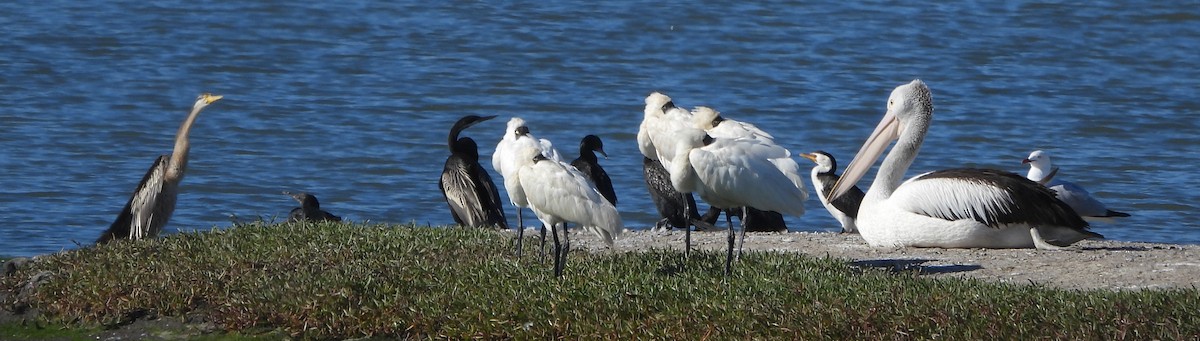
x,y
670,105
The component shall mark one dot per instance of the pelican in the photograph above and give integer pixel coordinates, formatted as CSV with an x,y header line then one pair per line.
x,y
824,175
506,161
557,194
955,208
729,173
309,210
466,186
1040,170
153,202
589,165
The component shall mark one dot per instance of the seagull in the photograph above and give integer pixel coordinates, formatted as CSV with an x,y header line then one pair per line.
x,y
1043,171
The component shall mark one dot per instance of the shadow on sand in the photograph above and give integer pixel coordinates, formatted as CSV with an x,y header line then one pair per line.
x,y
918,265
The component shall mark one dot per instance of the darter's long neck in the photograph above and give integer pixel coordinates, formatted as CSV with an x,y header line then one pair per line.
x,y
179,156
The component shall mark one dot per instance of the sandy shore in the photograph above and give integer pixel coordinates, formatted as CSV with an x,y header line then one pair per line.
x,y
1089,265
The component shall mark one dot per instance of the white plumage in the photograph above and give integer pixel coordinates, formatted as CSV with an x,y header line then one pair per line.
x,y
737,172
957,208
1041,170
558,193
505,160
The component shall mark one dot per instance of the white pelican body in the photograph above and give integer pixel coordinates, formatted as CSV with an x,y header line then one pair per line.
x,y
956,208
1080,199
558,193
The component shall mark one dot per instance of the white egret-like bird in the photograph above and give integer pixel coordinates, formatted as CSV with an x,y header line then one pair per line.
x,y
741,172
824,175
466,185
717,126
153,202
505,160
1044,172
955,208
558,193
657,144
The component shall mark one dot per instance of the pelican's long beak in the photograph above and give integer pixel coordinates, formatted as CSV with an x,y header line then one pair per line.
x,y
886,132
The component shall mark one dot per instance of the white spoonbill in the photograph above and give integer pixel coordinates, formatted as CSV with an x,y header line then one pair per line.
x,y
955,208
559,193
505,160
824,175
657,144
1070,193
729,173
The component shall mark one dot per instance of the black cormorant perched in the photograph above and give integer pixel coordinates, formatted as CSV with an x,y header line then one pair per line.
x,y
467,187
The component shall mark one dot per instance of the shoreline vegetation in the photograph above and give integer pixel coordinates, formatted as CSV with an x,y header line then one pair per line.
x,y
347,280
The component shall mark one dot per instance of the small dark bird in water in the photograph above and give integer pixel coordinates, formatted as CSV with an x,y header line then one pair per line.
x,y
153,202
309,210
589,165
466,185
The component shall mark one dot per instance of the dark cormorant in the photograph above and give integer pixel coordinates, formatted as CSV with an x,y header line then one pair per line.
x,y
588,164
845,207
467,187
309,210
153,202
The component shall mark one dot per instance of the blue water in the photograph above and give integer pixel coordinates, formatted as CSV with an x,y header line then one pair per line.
x,y
352,100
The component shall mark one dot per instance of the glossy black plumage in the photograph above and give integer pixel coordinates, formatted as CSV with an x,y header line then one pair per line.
x,y
309,210
466,185
1031,202
669,202
589,165
756,221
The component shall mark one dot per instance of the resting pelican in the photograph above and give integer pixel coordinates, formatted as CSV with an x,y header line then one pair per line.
x,y
466,186
955,208
559,193
589,165
309,210
1040,170
824,175
729,173
505,160
153,202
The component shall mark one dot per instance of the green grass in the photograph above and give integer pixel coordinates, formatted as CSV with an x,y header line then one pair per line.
x,y
340,280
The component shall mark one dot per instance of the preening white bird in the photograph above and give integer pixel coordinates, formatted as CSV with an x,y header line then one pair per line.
x,y
153,202
661,117
558,193
466,185
824,175
717,126
1042,170
505,160
730,173
955,208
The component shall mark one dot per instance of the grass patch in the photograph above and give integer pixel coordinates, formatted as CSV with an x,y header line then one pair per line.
x,y
335,280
